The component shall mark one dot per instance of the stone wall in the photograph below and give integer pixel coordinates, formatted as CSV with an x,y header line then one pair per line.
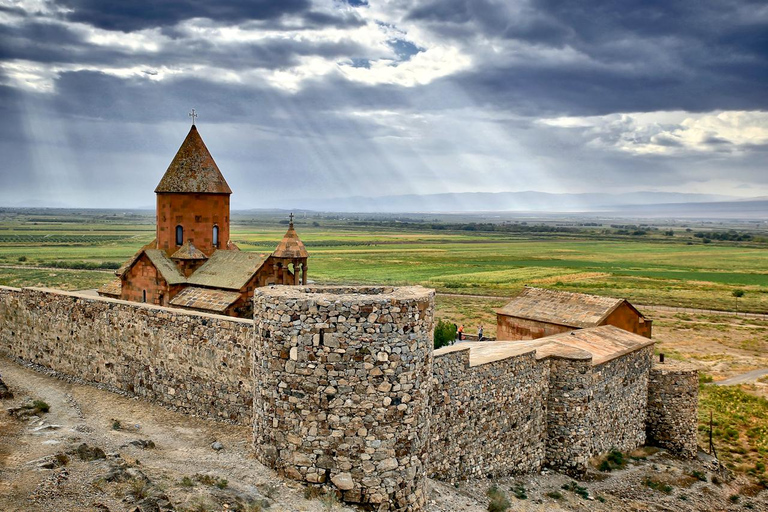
x,y
673,397
568,414
488,420
194,362
342,378
618,410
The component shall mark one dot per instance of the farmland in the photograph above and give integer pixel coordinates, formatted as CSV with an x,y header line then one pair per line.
x,y
655,268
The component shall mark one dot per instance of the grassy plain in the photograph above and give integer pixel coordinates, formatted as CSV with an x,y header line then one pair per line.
x,y
674,271
679,270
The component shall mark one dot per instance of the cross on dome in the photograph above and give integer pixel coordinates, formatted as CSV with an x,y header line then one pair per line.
x,y
193,115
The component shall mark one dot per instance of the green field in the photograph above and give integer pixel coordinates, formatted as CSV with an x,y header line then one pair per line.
x,y
676,271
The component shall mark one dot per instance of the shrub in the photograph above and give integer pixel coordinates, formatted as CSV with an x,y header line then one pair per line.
x,y
498,501
445,333
22,259
576,489
41,406
519,491
657,485
555,495
613,460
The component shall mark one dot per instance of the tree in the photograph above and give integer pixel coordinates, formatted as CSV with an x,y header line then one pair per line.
x,y
445,333
737,294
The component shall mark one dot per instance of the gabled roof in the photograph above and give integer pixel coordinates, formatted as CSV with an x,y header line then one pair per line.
x,y
604,343
291,246
113,288
205,298
128,264
188,251
598,344
165,266
562,308
193,170
230,270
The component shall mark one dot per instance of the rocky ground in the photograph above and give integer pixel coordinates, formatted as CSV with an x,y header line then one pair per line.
x,y
93,450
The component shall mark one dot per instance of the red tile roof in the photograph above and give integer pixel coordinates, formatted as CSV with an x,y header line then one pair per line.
x,y
562,308
204,298
193,170
291,246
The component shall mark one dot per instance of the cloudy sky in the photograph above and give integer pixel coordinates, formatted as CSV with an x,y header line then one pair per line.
x,y
301,99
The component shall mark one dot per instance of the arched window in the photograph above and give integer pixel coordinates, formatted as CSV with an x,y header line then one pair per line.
x,y
179,235
144,296
215,235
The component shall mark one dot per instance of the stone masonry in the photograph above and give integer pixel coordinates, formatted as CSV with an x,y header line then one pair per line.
x,y
488,420
193,362
343,378
341,389
673,393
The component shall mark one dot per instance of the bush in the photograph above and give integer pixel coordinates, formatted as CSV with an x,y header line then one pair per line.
x,y
498,501
445,333
22,259
613,460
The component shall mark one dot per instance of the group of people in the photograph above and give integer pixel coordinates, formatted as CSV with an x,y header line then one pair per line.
x,y
460,332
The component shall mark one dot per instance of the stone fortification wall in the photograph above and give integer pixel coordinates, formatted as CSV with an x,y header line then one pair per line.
x,y
343,378
193,362
569,430
673,397
618,410
487,420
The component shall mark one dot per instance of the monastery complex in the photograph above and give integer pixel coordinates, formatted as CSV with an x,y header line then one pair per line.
x,y
342,386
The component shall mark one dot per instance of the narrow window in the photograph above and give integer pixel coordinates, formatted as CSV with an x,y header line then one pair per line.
x,y
215,236
144,295
179,235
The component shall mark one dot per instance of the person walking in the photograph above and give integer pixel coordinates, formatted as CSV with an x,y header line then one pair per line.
x,y
480,333
461,332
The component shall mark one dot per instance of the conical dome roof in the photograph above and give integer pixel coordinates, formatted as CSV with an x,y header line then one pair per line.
x,y
188,251
193,170
291,245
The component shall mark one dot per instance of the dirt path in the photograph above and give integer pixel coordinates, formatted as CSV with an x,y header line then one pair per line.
x,y
744,378
83,414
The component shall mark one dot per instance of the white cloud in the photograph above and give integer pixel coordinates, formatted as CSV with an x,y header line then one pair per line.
x,y
422,68
670,133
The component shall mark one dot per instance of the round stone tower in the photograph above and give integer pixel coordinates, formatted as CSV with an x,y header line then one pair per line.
x,y
342,377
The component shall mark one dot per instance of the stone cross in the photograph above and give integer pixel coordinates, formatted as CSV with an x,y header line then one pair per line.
x,y
291,217
193,115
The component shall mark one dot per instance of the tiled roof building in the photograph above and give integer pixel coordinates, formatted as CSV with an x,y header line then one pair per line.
x,y
538,312
192,263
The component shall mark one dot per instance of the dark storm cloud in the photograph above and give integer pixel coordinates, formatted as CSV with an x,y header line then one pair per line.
x,y
134,15
633,56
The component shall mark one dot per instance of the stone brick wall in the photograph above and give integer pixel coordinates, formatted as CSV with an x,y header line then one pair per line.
x,y
673,397
194,362
342,378
618,410
487,420
569,430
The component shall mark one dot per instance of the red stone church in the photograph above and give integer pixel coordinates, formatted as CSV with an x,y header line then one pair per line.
x,y
192,263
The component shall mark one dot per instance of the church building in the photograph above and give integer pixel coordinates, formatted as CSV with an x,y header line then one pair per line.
x,y
192,263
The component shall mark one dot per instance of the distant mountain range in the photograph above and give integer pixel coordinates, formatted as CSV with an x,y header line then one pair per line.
x,y
538,202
